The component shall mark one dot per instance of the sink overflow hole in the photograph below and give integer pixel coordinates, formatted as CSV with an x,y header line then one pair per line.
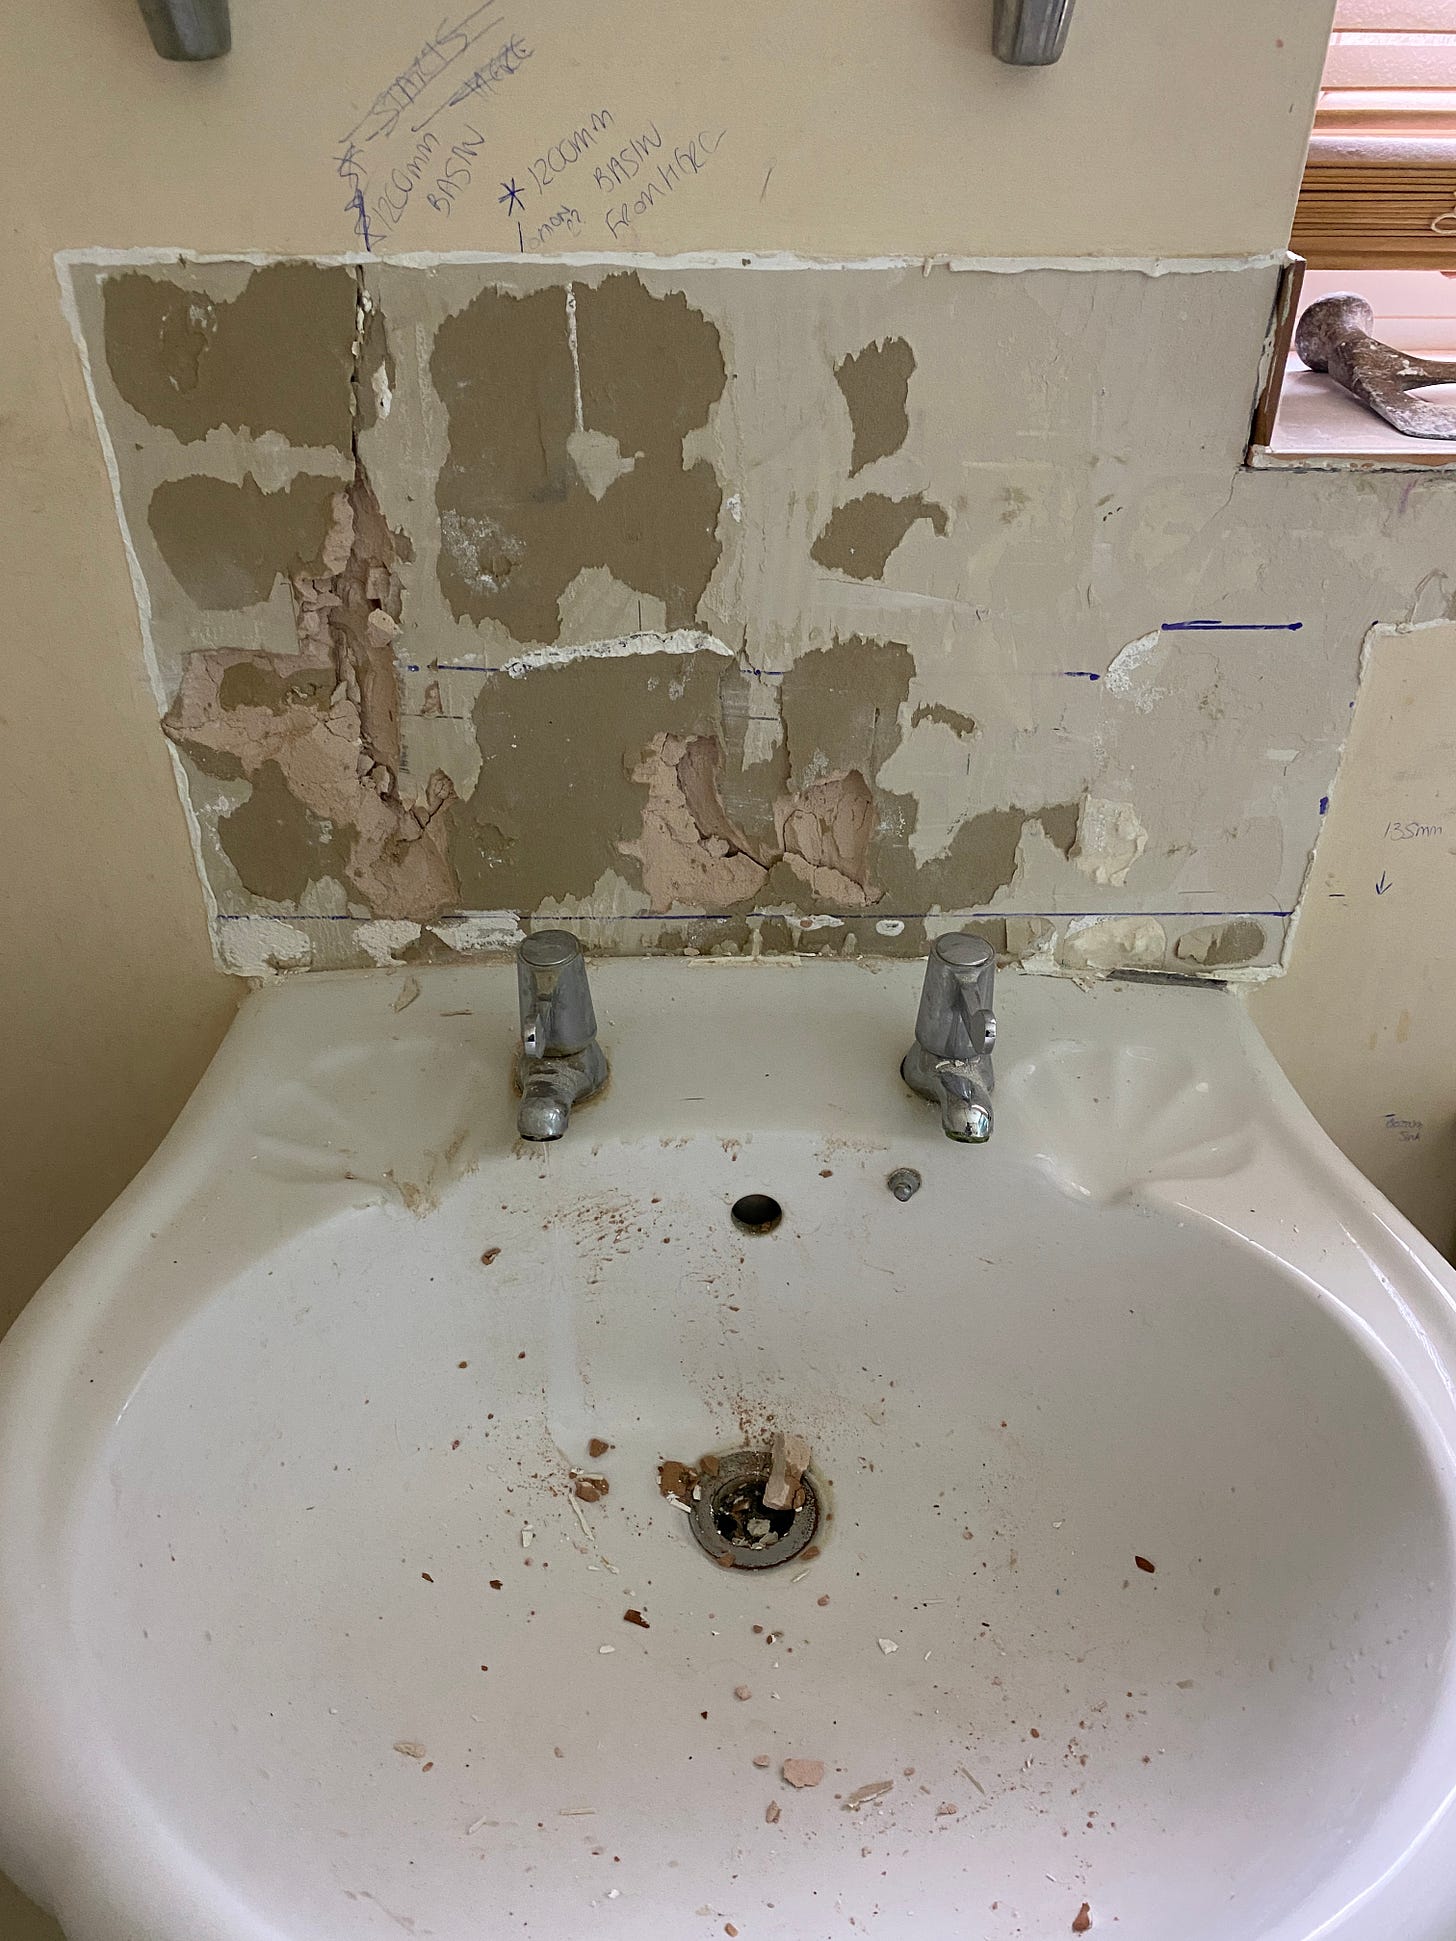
x,y
756,1213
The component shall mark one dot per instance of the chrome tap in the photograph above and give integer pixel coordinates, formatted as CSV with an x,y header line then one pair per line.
x,y
955,1028
560,1061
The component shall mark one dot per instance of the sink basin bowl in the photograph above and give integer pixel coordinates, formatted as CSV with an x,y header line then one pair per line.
x,y
1134,1432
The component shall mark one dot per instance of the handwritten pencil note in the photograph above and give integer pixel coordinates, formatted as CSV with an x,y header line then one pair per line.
x,y
420,138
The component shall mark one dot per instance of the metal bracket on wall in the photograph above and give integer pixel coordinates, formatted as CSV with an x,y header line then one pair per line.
x,y
188,30
1031,33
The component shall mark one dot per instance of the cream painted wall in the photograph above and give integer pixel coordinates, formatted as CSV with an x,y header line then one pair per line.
x,y
1365,1020
850,129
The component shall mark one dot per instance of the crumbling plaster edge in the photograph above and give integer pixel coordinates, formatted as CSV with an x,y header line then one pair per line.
x,y
98,257
253,953
70,310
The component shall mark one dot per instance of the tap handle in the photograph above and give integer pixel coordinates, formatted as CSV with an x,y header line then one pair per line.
x,y
555,998
955,1019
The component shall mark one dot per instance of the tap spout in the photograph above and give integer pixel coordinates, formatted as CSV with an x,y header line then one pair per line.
x,y
955,1034
965,1103
550,1087
560,1061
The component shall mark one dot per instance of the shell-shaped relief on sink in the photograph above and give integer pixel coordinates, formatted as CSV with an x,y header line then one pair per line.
x,y
402,1116
1103,1120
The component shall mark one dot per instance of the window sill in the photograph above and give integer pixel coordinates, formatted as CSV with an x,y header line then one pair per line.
x,y
1319,427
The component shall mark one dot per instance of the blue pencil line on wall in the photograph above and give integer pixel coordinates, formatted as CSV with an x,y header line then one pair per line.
x,y
1231,626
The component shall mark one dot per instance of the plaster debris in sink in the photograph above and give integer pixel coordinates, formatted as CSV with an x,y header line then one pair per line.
x,y
409,1748
634,1616
676,1480
596,1448
1084,1919
742,1692
1143,1564
773,1812
591,1489
863,1795
802,1772
789,1457
408,992
490,1254
762,1761
887,1645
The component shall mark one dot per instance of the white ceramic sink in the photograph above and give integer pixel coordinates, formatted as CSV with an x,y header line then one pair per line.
x,y
285,1487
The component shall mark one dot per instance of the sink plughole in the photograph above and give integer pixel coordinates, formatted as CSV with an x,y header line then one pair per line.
x,y
1134,1428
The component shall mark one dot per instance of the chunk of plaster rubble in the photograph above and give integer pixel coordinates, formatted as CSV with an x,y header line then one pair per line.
x,y
862,1795
788,1459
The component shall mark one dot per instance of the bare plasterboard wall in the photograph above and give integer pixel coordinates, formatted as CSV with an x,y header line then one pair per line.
x,y
919,593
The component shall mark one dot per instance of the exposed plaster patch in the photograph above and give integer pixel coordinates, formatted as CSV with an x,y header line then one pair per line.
x,y
276,357
598,460
980,861
690,853
483,932
593,915
1059,822
482,553
262,946
862,534
276,844
1032,942
952,718
339,757
875,383
516,387
1114,943
1125,675
825,832
381,941
1216,944
226,545
993,929
1110,838
597,606
565,774
686,640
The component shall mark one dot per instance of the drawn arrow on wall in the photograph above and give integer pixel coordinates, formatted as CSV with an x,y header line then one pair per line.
x,y
1382,886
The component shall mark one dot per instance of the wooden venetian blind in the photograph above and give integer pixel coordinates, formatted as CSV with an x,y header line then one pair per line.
x,y
1379,189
